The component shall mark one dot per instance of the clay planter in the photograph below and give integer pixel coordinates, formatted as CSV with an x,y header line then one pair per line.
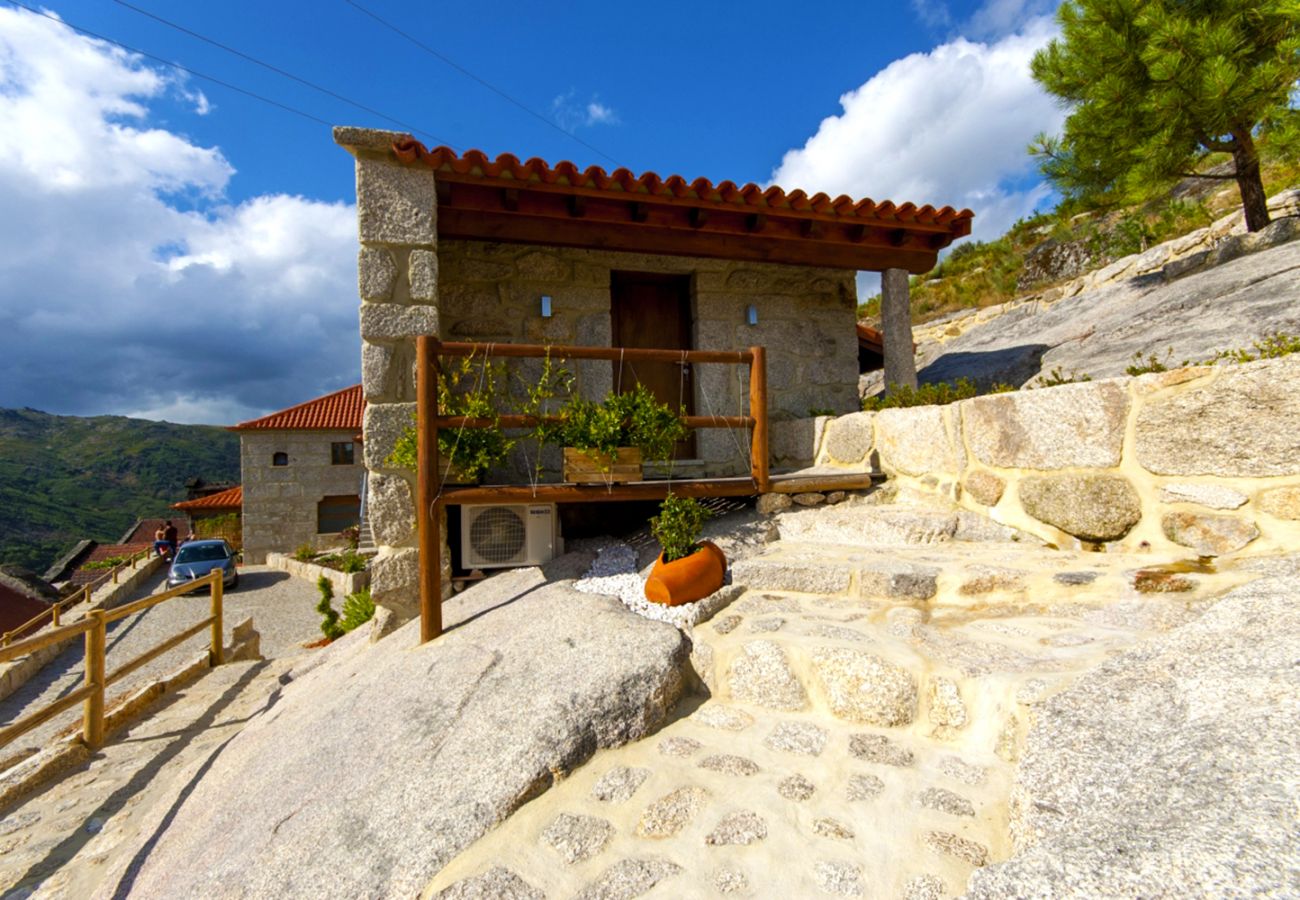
x,y
594,467
687,579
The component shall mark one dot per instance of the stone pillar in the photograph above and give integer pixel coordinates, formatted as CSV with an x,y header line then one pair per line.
x,y
397,275
896,323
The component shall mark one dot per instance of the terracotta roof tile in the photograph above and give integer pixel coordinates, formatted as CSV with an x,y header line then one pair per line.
x,y
228,499
507,167
339,411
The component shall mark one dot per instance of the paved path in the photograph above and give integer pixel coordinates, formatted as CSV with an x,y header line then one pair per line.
x,y
283,611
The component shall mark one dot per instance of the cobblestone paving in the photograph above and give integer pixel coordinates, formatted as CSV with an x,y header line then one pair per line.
x,y
56,843
283,611
851,746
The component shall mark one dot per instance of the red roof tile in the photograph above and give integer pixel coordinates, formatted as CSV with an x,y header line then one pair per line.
x,y
726,194
228,499
339,411
82,575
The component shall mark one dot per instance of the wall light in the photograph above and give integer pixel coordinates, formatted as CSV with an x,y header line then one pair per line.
x,y
546,307
751,315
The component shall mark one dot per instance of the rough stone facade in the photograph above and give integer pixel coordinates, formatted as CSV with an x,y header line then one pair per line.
x,y
280,502
411,284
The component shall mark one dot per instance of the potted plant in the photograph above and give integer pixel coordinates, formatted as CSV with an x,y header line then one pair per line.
x,y
606,442
465,453
688,569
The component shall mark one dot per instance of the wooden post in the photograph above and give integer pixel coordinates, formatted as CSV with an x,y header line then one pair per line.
x,y
758,410
430,532
92,725
217,653
54,615
896,323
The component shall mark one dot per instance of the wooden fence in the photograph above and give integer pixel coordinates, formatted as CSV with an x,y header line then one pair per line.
x,y
54,614
433,496
94,626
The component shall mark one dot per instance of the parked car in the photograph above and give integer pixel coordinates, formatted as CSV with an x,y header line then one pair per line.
x,y
195,559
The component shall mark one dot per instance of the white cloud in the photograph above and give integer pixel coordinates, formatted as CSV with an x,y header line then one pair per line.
x,y
570,113
991,20
948,127
113,298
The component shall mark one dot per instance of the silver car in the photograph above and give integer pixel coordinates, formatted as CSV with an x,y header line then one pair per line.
x,y
197,558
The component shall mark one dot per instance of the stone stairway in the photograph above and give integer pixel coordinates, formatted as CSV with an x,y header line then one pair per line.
x,y
866,699
79,834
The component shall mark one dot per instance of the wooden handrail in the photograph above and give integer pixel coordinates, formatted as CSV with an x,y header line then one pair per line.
x,y
94,626
432,498
82,595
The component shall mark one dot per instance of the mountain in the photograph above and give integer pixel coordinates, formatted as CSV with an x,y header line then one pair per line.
x,y
65,478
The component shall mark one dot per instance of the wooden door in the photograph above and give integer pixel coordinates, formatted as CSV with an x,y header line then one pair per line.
x,y
654,311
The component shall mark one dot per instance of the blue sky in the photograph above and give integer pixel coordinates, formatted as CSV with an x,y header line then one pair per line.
x,y
180,251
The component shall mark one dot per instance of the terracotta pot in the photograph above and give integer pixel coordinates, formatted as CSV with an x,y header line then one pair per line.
x,y
687,579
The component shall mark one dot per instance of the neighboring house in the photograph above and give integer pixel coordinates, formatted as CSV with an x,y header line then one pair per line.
x,y
71,569
302,474
23,596
226,506
468,248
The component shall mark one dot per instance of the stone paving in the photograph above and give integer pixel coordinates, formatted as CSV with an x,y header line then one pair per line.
x,y
283,611
56,844
857,741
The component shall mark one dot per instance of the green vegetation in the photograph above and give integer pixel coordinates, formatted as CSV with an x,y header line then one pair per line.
x,y
1158,87
1057,377
347,562
358,609
329,625
631,419
304,553
1277,344
938,394
227,525
111,562
67,478
677,527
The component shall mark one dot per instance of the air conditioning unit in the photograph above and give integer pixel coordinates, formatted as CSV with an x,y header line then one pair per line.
x,y
505,535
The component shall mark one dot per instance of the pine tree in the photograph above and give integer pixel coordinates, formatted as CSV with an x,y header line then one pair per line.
x,y
1156,86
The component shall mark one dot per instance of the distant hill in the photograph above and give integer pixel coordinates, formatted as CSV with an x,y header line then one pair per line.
x,y
65,478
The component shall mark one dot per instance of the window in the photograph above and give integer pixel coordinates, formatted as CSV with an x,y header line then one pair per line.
x,y
280,458
341,453
333,514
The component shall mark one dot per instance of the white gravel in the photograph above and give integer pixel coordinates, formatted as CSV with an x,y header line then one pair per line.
x,y
614,574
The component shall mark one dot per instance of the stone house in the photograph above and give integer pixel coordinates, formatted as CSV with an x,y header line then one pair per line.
x,y
472,249
302,474
213,509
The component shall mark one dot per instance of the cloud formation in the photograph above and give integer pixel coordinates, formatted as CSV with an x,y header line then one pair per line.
x,y
129,283
570,113
948,127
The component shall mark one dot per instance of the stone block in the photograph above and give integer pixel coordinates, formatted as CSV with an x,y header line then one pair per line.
x,y
809,498
794,442
1215,496
898,580
1090,507
543,265
376,365
946,707
423,276
984,486
773,503
395,582
919,441
1282,502
1208,535
850,438
1051,428
391,508
863,687
395,321
382,425
1215,428
788,575
1185,265
761,675
396,204
376,273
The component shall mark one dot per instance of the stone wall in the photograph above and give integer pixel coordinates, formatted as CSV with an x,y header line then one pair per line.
x,y
410,285
1205,458
280,501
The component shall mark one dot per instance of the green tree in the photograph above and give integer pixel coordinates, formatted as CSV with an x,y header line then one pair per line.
x,y
1154,87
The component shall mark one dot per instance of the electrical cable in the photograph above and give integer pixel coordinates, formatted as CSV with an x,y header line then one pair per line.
x,y
282,72
487,84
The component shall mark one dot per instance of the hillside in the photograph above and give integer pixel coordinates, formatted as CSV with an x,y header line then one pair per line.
x,y
64,478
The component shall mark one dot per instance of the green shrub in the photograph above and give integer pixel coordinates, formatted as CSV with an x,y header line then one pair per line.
x,y
938,394
677,527
358,609
815,411
304,553
110,562
1272,346
329,625
1057,377
351,534
635,418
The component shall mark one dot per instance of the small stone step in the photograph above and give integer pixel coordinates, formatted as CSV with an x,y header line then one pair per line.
x,y
785,574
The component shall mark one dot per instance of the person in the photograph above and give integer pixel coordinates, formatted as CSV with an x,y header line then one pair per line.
x,y
171,535
160,540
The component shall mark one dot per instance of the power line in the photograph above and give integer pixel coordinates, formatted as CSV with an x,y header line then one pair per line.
x,y
174,65
279,71
467,73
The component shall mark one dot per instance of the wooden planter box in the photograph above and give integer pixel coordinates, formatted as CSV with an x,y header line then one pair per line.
x,y
594,467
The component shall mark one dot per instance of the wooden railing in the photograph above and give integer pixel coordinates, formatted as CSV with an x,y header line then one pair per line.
x,y
82,595
94,626
432,496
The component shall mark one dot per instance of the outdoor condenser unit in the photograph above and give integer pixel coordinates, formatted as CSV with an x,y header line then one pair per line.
x,y
516,534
